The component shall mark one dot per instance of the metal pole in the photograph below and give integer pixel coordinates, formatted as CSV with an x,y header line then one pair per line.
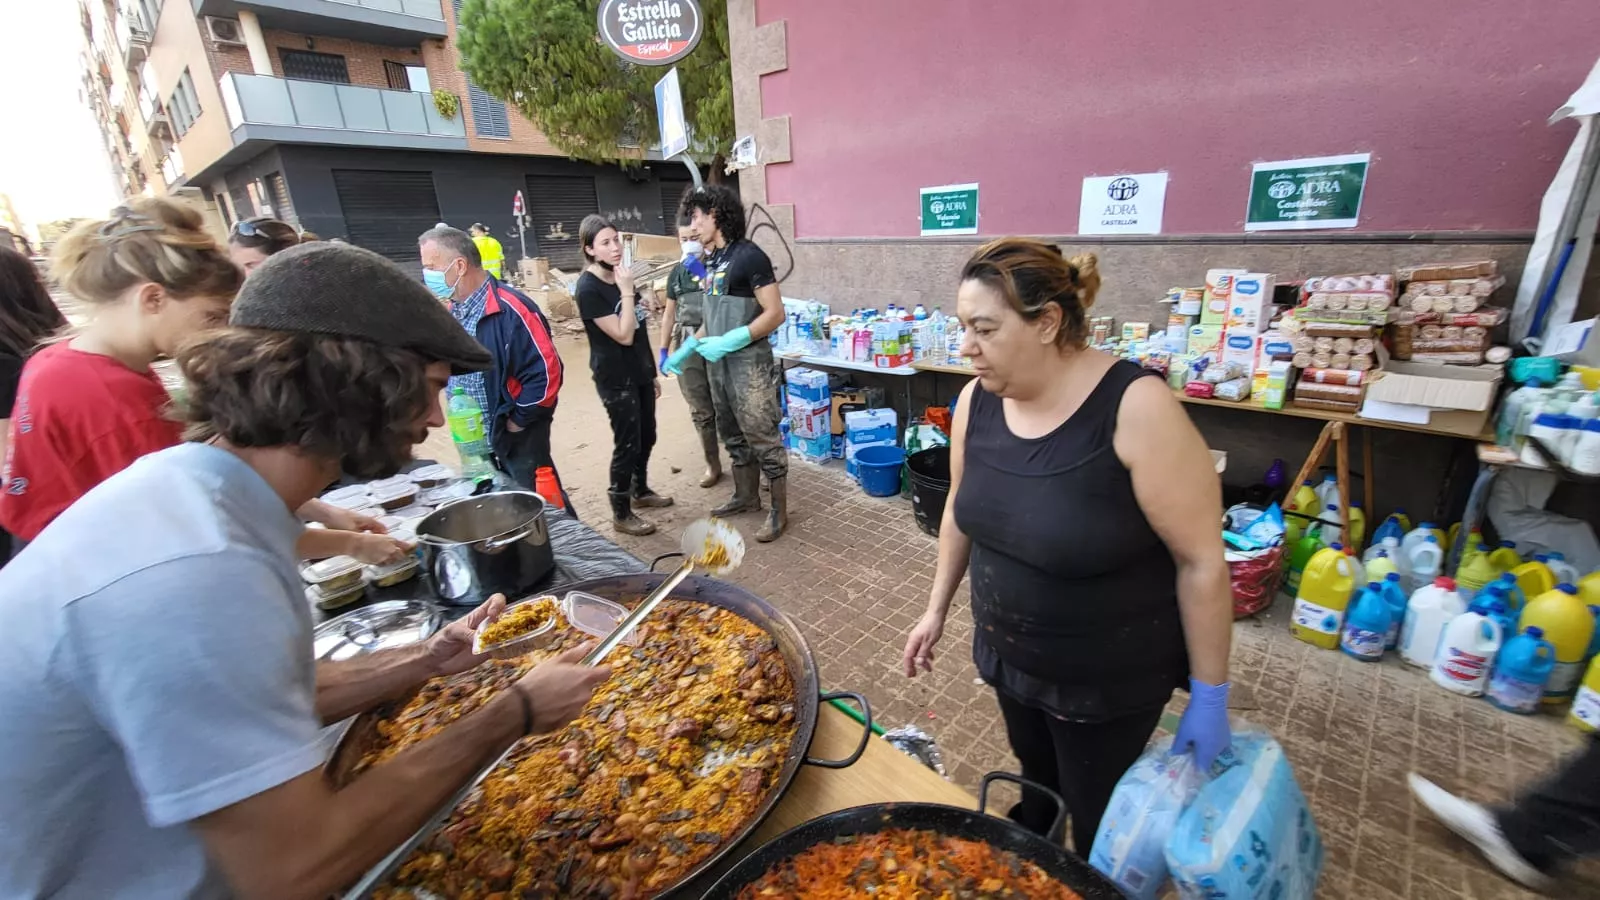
x,y
694,169
521,239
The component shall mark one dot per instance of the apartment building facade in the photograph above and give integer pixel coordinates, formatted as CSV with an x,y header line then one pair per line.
x,y
348,118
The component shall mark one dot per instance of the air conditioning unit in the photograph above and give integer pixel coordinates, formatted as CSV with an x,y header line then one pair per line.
x,y
224,32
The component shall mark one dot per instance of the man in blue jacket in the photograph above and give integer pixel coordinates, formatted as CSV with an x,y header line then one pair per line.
x,y
518,392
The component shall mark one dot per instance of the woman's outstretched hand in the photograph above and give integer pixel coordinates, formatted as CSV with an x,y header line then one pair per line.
x,y
920,643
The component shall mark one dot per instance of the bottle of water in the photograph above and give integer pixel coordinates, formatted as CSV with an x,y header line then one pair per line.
x,y
466,428
919,313
941,350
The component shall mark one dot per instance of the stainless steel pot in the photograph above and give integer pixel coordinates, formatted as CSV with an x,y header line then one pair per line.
x,y
491,544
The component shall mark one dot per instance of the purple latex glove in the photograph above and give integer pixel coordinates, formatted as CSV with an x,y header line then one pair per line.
x,y
661,360
1204,726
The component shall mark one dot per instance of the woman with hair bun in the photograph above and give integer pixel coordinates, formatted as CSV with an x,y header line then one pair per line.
x,y
1086,507
251,241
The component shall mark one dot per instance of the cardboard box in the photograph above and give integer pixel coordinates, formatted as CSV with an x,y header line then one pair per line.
x,y
807,386
846,402
1219,292
1250,305
1205,340
811,449
884,361
1277,384
808,421
1458,399
870,426
649,248
1576,343
1239,348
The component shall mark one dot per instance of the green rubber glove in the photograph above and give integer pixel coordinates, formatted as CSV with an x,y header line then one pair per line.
x,y
674,363
717,347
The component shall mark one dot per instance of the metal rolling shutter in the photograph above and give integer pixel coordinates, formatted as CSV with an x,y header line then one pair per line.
x,y
556,206
671,193
385,211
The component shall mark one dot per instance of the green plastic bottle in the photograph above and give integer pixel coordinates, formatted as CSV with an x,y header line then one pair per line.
x,y
1300,553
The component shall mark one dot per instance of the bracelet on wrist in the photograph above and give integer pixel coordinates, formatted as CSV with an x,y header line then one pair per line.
x,y
527,710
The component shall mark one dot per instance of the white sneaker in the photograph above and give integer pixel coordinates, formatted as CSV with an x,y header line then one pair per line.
x,y
1478,825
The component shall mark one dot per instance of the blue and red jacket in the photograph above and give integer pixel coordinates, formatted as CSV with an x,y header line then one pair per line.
x,y
526,373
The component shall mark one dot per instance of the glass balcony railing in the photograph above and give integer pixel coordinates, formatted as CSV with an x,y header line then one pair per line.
x,y
336,113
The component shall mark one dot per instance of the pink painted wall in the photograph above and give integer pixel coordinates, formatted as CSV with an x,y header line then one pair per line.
x,y
1028,97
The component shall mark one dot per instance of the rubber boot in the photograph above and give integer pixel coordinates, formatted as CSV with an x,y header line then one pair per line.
x,y
645,498
778,518
622,518
709,444
746,491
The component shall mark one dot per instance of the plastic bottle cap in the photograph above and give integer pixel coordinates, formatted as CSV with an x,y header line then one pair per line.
x,y
1392,576
1508,578
1484,547
1594,610
1432,539
1445,582
1534,632
1336,546
1565,588
1382,554
1425,525
1509,545
1373,585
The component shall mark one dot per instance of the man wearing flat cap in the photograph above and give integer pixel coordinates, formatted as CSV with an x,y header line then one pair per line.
x,y
161,704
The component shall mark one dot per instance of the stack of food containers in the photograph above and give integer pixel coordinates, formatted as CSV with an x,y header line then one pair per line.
x,y
1444,315
810,409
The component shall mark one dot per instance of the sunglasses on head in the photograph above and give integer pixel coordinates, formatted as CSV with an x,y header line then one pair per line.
x,y
257,228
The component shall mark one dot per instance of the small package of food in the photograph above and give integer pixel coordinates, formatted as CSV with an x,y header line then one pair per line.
x,y
1362,362
522,629
1234,389
1343,345
1343,393
1304,361
1339,361
1329,405
1199,389
327,600
333,574
1135,331
1330,376
1217,373
1487,268
431,475
393,573
395,496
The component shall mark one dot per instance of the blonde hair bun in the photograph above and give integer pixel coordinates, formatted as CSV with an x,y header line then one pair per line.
x,y
1088,266
145,240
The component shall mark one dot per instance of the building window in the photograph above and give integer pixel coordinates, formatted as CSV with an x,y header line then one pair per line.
x,y
183,105
150,13
402,77
308,66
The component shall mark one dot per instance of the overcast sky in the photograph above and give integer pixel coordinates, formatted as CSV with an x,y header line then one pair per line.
x,y
52,158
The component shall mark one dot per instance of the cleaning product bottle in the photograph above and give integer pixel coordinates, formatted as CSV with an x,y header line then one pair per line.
x,y
1452,535
1378,565
1585,712
1521,672
1390,527
1475,545
1275,475
1395,596
1428,613
1404,520
1511,409
1535,578
1594,640
1476,571
1356,520
1505,557
1426,559
1366,626
1332,523
1560,568
1589,588
1300,553
1390,546
1359,570
1466,654
1304,500
1512,593
1586,453
1324,593
1568,625
1417,536
1328,491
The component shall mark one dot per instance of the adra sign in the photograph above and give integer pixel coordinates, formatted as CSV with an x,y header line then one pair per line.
x,y
651,32
1301,194
950,209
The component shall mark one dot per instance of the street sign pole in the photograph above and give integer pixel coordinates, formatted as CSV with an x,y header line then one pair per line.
x,y
517,210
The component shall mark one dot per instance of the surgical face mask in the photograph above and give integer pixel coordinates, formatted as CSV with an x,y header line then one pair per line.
x,y
439,284
692,248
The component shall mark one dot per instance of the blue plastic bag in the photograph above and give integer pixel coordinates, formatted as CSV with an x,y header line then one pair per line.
x,y
1130,846
1249,834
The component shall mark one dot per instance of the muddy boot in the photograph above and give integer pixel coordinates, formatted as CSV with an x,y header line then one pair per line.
x,y
746,491
708,443
778,519
645,498
622,518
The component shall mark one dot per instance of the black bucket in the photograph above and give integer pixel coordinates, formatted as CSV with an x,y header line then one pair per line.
x,y
930,486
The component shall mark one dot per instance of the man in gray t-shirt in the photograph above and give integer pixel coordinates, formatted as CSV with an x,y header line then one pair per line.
x,y
160,704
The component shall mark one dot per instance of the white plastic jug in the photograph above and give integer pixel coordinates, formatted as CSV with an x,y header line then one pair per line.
x,y
1416,537
1466,654
1559,567
1429,612
1392,546
1426,559
1328,492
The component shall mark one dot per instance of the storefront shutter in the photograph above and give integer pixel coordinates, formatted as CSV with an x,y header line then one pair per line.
x,y
386,211
556,206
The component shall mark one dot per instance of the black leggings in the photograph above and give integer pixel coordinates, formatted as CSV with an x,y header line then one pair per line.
x,y
1081,761
632,410
1558,820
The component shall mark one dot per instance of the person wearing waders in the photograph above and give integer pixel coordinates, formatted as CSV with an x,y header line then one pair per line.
x,y
681,317
742,306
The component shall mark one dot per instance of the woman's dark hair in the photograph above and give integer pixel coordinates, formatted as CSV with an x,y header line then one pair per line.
x,y
27,314
1032,274
264,233
722,204
590,229
331,397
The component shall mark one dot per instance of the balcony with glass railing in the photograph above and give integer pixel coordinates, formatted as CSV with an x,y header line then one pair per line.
x,y
267,108
396,22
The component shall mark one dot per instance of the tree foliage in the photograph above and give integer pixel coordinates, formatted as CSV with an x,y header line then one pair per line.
x,y
546,58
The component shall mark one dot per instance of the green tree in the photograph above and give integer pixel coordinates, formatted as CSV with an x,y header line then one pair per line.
x,y
546,58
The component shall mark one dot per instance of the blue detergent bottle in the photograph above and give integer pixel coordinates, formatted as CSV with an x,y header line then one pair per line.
x,y
1366,624
1391,526
1521,672
1394,593
1513,593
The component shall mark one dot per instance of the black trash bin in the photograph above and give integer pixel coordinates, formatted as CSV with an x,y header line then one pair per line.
x,y
929,471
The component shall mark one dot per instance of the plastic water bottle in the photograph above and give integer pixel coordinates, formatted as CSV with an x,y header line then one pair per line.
x,y
941,350
466,428
919,313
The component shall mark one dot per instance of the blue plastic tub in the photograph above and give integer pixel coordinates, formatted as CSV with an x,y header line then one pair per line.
x,y
879,469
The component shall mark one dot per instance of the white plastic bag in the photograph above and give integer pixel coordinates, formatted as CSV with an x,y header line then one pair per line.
x,y
1130,846
1248,835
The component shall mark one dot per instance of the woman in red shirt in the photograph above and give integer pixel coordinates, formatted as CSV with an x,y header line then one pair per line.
x,y
87,407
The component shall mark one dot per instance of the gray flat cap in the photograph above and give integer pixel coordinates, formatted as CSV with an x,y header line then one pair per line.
x,y
346,291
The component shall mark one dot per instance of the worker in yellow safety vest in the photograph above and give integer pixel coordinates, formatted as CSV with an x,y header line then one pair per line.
x,y
488,248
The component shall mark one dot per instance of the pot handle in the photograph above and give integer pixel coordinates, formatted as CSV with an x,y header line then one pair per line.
x,y
1058,828
662,557
866,730
500,542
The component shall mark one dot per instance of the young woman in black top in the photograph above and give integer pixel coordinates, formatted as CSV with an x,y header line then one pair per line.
x,y
27,317
624,370
1086,506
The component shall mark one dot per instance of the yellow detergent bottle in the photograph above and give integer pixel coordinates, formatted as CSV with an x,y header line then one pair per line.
x,y
1325,588
1535,579
1356,525
1379,565
1568,625
1505,556
1453,535
1304,501
1475,544
1585,712
1446,538
1476,571
1589,589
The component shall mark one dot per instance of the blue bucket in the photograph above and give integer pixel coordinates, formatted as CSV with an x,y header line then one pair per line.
x,y
879,470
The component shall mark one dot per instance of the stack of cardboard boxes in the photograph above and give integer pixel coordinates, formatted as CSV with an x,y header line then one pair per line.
x,y
810,409
867,428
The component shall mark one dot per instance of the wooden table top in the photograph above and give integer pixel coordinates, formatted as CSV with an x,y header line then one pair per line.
x,y
1325,415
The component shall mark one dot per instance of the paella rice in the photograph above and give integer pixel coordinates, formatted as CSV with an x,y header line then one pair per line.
x,y
675,754
903,864
524,618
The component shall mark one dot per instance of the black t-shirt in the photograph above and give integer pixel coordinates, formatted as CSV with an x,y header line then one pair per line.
x,y
738,269
613,364
10,377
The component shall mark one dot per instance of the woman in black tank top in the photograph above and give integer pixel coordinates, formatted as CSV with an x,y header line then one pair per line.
x,y
1085,505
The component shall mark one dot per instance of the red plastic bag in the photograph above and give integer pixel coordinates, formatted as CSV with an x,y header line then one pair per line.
x,y
1254,578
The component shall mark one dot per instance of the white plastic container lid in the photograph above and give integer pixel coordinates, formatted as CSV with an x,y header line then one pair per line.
x,y
335,569
595,615
385,484
353,497
392,492
335,599
445,493
410,515
436,472
393,573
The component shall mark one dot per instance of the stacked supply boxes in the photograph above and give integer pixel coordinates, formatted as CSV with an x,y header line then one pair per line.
x,y
867,428
1249,313
810,409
